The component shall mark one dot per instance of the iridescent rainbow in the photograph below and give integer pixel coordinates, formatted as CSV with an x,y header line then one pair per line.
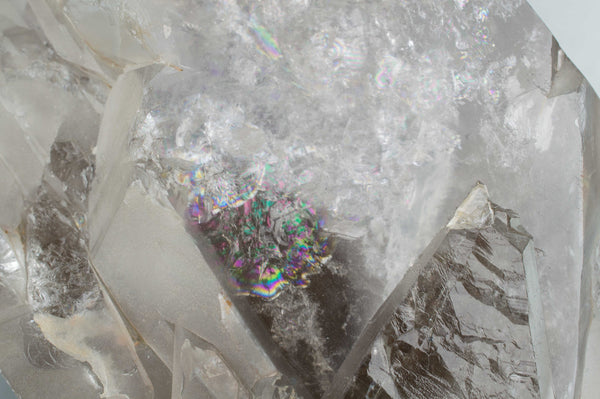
x,y
268,240
269,243
205,202
266,43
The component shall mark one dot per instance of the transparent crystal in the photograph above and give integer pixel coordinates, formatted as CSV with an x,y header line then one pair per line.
x,y
219,198
466,322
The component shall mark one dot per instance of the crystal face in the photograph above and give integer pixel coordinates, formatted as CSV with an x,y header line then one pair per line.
x,y
464,328
232,199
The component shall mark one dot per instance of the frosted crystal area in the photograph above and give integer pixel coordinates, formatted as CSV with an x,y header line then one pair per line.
x,y
237,199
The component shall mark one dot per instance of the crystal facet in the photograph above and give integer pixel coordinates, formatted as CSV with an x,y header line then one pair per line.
x,y
234,199
469,326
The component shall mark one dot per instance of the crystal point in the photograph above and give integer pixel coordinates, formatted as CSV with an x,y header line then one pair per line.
x,y
468,322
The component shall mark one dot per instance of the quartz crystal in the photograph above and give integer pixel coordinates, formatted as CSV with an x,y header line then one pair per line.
x,y
466,321
269,199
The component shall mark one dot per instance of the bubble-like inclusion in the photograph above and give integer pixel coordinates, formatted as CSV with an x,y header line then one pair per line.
x,y
266,239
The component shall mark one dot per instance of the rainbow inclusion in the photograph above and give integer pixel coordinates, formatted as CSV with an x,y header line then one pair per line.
x,y
266,239
221,194
265,42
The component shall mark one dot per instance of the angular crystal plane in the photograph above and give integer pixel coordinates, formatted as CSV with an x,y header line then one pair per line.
x,y
467,320
239,199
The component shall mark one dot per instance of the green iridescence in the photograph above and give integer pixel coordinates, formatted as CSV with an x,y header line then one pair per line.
x,y
268,243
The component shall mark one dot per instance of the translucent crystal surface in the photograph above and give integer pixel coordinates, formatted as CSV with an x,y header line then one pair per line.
x,y
68,301
148,236
470,325
222,198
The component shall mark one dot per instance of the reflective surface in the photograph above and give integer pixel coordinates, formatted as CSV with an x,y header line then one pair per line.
x,y
239,199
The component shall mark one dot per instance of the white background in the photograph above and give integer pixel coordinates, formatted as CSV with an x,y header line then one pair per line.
x,y
576,26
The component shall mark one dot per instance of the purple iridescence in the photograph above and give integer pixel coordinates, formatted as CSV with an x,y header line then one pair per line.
x,y
267,240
